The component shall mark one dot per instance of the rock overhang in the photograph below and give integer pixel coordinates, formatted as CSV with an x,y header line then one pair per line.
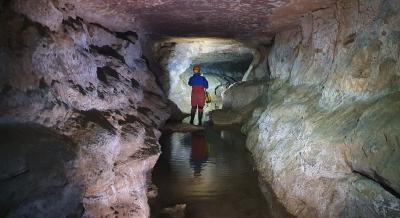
x,y
224,18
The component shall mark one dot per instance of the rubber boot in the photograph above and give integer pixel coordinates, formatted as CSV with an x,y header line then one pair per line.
x,y
192,114
200,118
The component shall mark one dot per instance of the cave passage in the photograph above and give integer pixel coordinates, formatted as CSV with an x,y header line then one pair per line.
x,y
87,88
223,62
207,172
211,173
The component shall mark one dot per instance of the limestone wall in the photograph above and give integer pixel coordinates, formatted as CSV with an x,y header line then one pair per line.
x,y
328,139
79,113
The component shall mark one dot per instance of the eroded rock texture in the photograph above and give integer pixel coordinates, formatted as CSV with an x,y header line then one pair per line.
x,y
226,18
93,110
328,139
241,98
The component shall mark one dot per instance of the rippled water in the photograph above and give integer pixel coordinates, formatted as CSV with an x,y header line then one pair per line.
x,y
212,173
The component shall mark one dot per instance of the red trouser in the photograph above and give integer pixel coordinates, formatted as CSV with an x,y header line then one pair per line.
x,y
199,148
198,97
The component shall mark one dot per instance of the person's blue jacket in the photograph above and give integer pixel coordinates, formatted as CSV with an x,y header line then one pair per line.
x,y
198,80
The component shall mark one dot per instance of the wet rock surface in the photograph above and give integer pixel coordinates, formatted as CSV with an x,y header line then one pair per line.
x,y
241,98
237,95
35,173
93,109
181,127
225,117
326,139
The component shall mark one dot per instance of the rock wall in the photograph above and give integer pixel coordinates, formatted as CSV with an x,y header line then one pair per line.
x,y
241,98
258,69
328,139
236,97
79,112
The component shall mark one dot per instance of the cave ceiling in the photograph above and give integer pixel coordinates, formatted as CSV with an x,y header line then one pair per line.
x,y
216,18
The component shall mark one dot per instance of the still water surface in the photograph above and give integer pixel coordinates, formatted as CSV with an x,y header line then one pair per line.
x,y
213,174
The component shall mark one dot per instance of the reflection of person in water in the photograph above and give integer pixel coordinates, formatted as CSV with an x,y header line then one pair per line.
x,y
199,153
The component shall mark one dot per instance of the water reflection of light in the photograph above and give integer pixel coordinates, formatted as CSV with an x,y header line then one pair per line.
x,y
227,186
223,134
203,185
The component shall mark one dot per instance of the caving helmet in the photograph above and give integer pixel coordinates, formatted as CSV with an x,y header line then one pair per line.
x,y
196,68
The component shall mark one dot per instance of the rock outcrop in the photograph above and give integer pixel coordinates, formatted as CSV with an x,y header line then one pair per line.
x,y
241,98
328,138
79,117
258,69
238,102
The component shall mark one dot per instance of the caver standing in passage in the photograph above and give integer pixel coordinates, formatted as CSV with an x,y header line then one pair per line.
x,y
199,85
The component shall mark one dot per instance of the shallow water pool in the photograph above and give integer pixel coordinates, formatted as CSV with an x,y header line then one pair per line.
x,y
211,172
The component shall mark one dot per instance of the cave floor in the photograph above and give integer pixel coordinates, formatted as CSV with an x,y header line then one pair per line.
x,y
212,173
